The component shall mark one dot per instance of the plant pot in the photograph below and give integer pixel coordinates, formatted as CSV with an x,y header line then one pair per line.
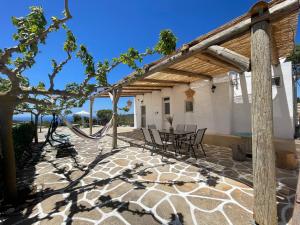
x,y
171,129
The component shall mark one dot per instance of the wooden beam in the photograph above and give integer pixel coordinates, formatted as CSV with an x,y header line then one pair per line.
x,y
135,91
140,89
91,115
150,86
186,73
274,13
264,170
229,56
115,100
148,80
212,60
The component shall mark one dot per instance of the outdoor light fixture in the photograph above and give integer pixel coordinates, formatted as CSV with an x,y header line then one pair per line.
x,y
213,88
129,103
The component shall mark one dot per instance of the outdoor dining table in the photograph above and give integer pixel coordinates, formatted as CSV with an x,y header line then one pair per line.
x,y
175,135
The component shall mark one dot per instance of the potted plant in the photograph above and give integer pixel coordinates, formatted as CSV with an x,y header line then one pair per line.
x,y
170,121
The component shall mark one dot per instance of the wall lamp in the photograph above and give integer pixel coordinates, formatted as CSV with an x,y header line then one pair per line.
x,y
213,88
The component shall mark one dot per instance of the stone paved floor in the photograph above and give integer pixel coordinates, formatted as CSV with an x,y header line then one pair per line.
x,y
91,185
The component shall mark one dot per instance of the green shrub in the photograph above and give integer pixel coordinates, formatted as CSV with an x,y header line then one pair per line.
x,y
104,116
22,135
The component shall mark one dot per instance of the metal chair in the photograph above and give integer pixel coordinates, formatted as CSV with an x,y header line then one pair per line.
x,y
147,138
191,128
151,126
157,140
188,128
180,127
196,141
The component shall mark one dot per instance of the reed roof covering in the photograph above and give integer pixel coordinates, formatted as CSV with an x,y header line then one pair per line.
x,y
193,62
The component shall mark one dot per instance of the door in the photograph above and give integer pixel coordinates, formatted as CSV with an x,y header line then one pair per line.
x,y
143,116
166,112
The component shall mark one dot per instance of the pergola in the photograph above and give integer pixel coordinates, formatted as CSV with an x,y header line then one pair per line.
x,y
252,42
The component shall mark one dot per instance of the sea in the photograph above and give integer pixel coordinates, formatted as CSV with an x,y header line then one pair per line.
x,y
25,118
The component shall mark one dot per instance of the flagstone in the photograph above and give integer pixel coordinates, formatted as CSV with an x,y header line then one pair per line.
x,y
121,162
85,210
204,203
235,183
135,215
152,197
215,218
112,220
133,195
53,204
237,215
53,220
208,192
164,210
81,222
181,206
122,189
242,198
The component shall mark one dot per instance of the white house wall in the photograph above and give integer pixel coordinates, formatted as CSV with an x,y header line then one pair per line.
x,y
227,110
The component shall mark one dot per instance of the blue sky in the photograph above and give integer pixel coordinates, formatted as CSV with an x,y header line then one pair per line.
x,y
109,28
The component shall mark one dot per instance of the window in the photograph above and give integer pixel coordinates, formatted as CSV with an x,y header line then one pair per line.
x,y
276,81
189,106
167,106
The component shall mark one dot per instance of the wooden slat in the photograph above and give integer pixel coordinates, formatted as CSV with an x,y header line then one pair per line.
x,y
211,60
164,81
186,73
150,86
140,89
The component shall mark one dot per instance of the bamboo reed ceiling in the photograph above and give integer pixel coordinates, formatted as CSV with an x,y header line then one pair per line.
x,y
203,65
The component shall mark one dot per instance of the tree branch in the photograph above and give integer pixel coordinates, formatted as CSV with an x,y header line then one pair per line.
x,y
56,70
9,51
12,76
36,101
34,91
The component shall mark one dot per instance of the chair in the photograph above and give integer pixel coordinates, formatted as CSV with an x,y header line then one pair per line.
x,y
188,128
196,141
180,127
157,140
191,128
147,138
152,126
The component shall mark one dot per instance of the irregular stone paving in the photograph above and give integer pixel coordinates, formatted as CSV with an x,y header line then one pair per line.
x,y
91,185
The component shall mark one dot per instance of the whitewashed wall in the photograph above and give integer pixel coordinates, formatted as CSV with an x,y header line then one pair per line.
x,y
227,110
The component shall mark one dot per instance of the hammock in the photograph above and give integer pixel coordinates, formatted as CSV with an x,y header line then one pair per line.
x,y
96,136
99,134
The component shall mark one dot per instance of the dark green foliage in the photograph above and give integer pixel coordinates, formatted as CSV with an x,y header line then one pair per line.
x,y
104,116
295,56
22,135
167,43
126,120
76,118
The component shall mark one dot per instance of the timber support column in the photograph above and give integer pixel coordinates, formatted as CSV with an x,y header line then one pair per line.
x,y
264,174
91,115
115,99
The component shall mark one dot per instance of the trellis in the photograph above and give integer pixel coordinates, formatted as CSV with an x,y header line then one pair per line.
x,y
252,42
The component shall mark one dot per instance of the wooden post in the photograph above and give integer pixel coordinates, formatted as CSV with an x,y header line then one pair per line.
x,y
115,93
264,180
91,115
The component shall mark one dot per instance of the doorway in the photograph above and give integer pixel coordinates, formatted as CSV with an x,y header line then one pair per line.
x,y
143,116
166,112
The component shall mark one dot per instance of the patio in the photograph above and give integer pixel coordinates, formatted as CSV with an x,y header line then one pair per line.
x,y
84,185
